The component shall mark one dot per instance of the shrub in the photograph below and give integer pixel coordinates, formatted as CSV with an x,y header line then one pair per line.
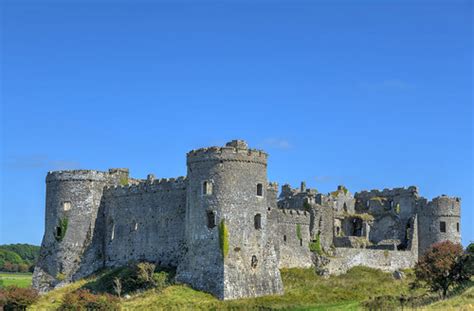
x,y
124,181
16,298
223,239
382,303
315,246
441,267
83,299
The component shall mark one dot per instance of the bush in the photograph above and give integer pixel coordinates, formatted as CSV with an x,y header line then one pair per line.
x,y
16,298
83,299
133,278
441,267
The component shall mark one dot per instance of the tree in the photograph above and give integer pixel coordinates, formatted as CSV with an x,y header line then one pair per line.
x,y
441,267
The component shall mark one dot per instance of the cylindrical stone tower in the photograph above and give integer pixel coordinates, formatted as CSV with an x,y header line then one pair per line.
x,y
72,203
229,252
439,220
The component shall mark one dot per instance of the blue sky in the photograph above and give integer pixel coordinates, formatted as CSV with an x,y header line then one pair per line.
x,y
369,94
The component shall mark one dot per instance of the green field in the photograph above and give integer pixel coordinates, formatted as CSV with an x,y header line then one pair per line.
x,y
18,279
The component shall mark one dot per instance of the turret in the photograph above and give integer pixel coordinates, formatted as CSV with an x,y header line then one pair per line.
x,y
439,220
72,203
229,252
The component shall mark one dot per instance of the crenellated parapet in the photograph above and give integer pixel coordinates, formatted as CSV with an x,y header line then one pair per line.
x,y
231,152
147,186
442,206
76,175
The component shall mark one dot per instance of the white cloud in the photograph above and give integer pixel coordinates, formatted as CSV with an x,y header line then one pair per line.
x,y
276,143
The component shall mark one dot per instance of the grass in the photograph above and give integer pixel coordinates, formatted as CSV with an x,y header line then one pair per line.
x,y
17,279
464,301
304,290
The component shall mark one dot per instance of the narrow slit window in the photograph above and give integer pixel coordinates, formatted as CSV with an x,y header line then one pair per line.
x,y
260,190
301,242
211,219
258,221
58,231
112,235
284,238
442,226
457,226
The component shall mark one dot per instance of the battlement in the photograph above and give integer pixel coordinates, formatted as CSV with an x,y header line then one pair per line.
x,y
273,186
235,150
443,206
292,216
76,175
149,185
412,190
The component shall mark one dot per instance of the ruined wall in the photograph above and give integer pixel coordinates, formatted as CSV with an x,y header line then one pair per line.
x,y
293,243
345,258
432,214
145,222
392,210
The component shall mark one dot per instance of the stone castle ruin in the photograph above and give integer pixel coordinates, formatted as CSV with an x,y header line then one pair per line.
x,y
226,229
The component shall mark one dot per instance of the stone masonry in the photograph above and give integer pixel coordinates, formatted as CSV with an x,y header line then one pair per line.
x,y
98,219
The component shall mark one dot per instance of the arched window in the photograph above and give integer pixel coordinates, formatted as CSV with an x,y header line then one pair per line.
x,y
206,188
211,219
258,221
260,190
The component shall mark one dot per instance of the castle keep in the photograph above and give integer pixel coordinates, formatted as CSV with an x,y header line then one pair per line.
x,y
225,227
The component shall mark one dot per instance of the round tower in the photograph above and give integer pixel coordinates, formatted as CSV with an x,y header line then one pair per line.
x,y
72,203
229,253
439,220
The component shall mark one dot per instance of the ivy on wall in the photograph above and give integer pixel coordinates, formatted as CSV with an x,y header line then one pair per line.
x,y
223,238
315,246
298,232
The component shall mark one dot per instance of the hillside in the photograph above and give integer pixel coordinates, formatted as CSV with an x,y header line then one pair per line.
x,y
18,257
303,291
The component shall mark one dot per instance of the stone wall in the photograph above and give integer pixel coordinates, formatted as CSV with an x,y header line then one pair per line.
x,y
293,250
345,258
145,222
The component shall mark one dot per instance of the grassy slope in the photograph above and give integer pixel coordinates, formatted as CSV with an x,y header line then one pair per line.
x,y
18,279
303,291
464,301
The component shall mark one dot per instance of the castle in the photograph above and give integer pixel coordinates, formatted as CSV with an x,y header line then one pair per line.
x,y
225,227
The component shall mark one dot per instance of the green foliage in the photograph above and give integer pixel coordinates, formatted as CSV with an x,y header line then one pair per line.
x,y
9,256
16,298
441,267
83,299
60,277
63,222
18,257
223,239
385,253
298,232
135,277
307,206
124,181
29,253
315,246
397,208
